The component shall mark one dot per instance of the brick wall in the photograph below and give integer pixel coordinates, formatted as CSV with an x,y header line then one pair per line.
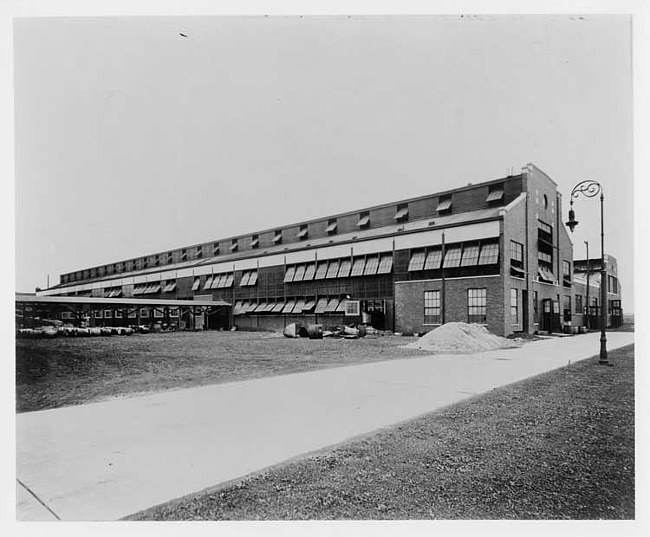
x,y
409,302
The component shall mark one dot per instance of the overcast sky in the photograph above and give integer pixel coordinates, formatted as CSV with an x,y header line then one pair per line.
x,y
131,139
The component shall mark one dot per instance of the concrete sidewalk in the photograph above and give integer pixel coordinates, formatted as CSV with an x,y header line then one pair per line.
x,y
104,461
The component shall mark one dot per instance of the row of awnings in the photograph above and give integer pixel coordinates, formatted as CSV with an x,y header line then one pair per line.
x,y
113,292
216,281
457,255
291,306
340,268
153,288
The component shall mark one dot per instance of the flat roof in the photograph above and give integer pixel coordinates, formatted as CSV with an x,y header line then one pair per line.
x,y
31,299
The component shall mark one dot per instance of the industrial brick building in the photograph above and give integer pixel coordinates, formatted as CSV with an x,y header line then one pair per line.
x,y
495,253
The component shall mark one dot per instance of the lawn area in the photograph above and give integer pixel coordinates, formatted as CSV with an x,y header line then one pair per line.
x,y
556,446
51,373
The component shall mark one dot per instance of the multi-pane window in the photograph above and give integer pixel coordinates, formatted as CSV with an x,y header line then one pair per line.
x,y
516,259
566,306
434,258
277,237
477,305
303,233
255,241
489,254
196,284
344,269
300,273
372,263
358,266
566,273
249,277
183,255
470,256
514,306
234,245
333,269
321,270
545,257
432,307
579,305
215,249
495,193
417,260
289,274
452,257
402,213
310,270
364,220
444,204
385,264
331,227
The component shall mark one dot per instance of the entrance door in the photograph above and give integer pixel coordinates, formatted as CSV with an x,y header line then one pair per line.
x,y
524,310
546,322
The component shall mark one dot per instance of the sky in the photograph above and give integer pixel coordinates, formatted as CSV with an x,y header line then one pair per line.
x,y
132,139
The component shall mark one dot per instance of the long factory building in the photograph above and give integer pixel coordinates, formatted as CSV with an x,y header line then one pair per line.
x,y
495,253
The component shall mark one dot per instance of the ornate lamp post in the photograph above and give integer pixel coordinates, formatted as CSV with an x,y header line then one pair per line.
x,y
591,189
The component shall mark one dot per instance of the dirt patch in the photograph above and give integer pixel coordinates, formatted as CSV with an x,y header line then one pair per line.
x,y
461,338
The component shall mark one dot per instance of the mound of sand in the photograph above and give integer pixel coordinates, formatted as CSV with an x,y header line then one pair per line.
x,y
461,338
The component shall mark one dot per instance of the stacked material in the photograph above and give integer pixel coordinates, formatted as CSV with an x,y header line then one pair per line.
x,y
461,338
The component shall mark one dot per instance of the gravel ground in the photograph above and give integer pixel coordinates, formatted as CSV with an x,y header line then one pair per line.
x,y
556,446
51,373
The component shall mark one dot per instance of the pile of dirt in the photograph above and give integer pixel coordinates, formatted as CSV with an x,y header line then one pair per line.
x,y
461,338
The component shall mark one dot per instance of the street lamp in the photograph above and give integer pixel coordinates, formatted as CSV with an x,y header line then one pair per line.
x,y
591,189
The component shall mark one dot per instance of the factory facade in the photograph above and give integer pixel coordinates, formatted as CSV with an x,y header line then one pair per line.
x,y
495,253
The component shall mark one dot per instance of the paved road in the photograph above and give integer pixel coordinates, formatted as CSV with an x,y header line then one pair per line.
x,y
104,461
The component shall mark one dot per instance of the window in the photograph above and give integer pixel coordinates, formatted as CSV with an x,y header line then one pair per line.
x,y
516,259
417,260
300,304
331,226
352,308
170,258
566,273
251,281
144,313
249,277
432,307
108,314
579,305
452,257
199,252
535,307
344,269
514,306
158,314
477,305
170,285
385,264
277,237
566,307
255,241
173,312
321,270
444,204
434,258
132,314
289,274
489,254
66,315
196,284
183,255
310,271
545,232
364,220
234,245
470,256
402,214
333,269
215,249
304,232
358,266
332,304
545,275
118,314
495,193
98,314
299,274
372,264
321,305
